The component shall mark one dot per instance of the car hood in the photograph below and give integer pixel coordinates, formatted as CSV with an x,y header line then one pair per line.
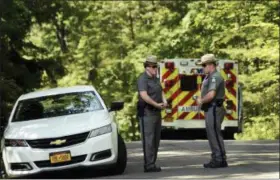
x,y
57,126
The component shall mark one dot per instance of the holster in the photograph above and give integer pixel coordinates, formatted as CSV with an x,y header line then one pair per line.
x,y
151,108
217,102
205,107
141,108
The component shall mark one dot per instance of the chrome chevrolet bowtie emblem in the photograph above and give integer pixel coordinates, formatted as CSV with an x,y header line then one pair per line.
x,y
58,142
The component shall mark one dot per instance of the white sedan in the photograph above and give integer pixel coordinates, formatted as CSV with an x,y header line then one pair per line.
x,y
62,128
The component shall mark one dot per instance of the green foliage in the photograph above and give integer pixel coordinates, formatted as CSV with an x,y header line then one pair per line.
x,y
128,124
261,128
15,71
104,43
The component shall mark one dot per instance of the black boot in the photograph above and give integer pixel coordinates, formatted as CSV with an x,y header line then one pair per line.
x,y
215,164
152,169
224,163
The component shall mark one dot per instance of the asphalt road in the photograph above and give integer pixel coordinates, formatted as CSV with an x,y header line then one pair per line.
x,y
183,160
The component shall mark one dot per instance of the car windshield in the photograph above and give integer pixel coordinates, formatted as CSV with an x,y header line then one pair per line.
x,y
56,105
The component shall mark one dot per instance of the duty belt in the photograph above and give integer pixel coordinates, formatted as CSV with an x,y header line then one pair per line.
x,y
217,102
152,108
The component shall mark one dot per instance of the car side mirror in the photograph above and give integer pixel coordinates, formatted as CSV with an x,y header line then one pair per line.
x,y
116,106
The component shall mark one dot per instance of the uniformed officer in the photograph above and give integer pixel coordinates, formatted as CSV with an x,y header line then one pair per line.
x,y
150,103
211,101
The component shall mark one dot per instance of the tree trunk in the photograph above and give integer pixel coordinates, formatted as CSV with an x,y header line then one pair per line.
x,y
131,26
60,34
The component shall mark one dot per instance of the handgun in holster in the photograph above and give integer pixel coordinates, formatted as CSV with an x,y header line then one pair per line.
x,y
219,102
205,106
141,108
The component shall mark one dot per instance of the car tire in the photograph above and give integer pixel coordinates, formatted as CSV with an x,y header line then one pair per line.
x,y
120,165
3,169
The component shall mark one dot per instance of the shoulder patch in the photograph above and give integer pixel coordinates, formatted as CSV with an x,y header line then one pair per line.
x,y
213,80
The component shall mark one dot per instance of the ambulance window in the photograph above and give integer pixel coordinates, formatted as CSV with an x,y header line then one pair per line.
x,y
188,83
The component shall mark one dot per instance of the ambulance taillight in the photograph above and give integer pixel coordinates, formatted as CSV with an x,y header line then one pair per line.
x,y
228,66
229,106
170,65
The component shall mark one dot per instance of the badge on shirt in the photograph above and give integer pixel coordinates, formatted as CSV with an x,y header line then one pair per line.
x,y
213,80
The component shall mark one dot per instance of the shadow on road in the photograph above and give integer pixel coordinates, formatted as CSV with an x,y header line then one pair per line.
x,y
188,134
184,159
76,173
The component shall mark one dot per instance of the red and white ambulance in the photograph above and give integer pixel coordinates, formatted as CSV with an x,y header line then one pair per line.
x,y
181,80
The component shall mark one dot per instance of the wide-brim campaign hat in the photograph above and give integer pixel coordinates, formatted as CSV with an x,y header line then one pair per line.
x,y
207,58
151,60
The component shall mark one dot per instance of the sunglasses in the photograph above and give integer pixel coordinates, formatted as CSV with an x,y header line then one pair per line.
x,y
154,67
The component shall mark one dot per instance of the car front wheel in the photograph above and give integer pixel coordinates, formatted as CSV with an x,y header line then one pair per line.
x,y
2,169
120,165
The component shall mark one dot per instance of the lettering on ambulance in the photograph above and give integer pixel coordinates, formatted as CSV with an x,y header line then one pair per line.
x,y
229,76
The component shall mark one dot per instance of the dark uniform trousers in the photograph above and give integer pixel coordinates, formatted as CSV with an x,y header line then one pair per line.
x,y
214,118
150,127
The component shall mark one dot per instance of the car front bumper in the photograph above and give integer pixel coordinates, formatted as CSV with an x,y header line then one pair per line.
x,y
96,151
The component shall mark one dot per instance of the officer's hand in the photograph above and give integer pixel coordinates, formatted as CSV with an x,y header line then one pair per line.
x,y
198,101
160,105
165,105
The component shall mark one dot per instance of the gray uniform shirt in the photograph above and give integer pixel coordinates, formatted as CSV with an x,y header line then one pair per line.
x,y
214,81
151,85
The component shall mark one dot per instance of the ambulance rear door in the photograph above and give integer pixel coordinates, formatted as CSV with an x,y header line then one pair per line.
x,y
191,77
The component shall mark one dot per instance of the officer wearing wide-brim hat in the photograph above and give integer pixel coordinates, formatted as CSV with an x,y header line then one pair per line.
x,y
211,101
151,60
150,103
207,59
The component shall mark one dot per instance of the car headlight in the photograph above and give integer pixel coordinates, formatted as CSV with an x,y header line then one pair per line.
x,y
15,143
100,131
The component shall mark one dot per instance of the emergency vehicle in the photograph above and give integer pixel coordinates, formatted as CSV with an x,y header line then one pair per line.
x,y
181,80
